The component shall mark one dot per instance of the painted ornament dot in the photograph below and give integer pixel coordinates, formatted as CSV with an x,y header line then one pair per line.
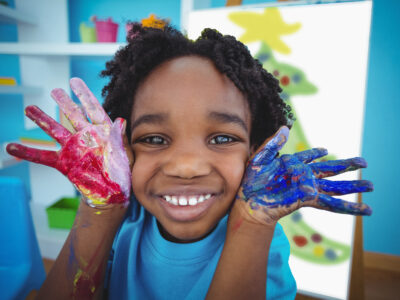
x,y
296,78
316,238
276,73
263,57
318,251
284,96
296,217
300,240
285,80
330,254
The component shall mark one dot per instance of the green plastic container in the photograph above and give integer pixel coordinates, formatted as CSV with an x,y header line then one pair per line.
x,y
87,33
62,213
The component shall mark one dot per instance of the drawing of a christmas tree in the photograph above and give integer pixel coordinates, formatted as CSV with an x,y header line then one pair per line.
x,y
268,28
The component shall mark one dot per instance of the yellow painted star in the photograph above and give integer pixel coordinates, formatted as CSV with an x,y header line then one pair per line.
x,y
267,27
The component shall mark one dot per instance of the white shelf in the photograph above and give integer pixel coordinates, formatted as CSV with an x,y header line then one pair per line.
x,y
50,240
12,16
61,49
23,90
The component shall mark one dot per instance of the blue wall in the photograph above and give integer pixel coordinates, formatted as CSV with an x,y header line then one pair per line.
x,y
125,10
380,141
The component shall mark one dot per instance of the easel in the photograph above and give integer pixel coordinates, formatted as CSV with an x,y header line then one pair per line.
x,y
356,289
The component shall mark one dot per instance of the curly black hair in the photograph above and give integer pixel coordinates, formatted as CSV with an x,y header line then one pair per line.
x,y
149,47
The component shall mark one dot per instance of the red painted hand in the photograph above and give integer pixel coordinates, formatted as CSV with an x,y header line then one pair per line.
x,y
93,158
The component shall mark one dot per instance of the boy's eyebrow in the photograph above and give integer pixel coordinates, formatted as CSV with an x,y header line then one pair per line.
x,y
227,118
149,119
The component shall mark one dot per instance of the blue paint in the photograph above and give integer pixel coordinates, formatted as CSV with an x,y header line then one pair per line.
x,y
335,167
344,187
272,182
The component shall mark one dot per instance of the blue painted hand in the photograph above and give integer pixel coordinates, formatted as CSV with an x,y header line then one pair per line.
x,y
274,186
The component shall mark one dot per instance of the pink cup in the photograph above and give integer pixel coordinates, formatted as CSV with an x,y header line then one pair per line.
x,y
106,31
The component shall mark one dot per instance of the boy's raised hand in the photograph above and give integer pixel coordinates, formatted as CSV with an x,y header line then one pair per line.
x,y
274,186
93,158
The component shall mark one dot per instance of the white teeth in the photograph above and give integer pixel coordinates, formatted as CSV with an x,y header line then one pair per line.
x,y
192,201
174,200
184,200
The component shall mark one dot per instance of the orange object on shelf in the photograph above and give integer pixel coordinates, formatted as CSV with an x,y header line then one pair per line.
x,y
8,81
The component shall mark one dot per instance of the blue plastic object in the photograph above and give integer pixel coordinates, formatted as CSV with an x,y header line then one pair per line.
x,y
21,265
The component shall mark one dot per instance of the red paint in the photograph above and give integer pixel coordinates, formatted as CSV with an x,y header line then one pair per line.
x,y
300,240
285,80
86,285
237,225
83,165
296,178
276,73
49,125
45,157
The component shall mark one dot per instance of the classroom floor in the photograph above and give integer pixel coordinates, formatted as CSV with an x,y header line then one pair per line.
x,y
379,285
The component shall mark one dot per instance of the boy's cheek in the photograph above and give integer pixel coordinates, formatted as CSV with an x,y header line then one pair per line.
x,y
234,171
138,177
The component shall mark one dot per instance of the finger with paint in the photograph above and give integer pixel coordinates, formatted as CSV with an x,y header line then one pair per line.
x,y
276,186
93,158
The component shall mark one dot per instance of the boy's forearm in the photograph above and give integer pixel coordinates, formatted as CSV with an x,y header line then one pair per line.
x,y
78,272
242,269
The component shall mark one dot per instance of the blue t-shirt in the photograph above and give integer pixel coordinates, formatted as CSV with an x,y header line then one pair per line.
x,y
146,266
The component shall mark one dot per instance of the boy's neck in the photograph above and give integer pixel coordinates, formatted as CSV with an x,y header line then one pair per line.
x,y
166,235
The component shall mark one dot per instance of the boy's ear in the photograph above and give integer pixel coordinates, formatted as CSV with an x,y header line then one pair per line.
x,y
252,150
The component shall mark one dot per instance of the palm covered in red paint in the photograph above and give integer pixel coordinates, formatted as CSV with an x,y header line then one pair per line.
x,y
93,158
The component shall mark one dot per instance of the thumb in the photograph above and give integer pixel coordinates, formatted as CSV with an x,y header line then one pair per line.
x,y
268,150
118,138
117,160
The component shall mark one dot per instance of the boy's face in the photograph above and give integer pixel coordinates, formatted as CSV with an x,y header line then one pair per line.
x,y
191,141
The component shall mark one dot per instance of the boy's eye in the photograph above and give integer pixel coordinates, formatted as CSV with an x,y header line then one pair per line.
x,y
222,139
153,140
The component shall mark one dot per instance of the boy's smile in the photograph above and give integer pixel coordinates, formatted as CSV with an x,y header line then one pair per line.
x,y
191,141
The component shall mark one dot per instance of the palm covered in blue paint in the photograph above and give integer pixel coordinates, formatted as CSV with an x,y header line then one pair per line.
x,y
274,186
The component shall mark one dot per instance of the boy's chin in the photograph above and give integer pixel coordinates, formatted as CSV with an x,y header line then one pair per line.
x,y
184,234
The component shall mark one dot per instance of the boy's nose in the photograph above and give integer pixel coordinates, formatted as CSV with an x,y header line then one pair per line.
x,y
187,165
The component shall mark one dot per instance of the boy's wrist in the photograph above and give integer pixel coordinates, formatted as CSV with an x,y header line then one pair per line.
x,y
105,217
241,221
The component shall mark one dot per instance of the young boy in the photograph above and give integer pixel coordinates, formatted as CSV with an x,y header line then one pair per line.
x,y
203,218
